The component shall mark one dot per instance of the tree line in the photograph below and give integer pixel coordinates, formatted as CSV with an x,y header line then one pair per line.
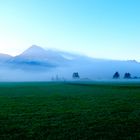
x,y
127,75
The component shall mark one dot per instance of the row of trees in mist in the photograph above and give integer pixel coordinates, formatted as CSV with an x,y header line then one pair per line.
x,y
76,75
127,75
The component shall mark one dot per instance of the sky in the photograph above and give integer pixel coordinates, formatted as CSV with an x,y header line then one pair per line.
x,y
98,28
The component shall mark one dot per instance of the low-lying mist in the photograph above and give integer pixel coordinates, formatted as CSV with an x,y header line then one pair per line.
x,y
37,64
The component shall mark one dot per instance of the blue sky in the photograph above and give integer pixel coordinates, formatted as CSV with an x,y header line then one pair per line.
x,y
98,28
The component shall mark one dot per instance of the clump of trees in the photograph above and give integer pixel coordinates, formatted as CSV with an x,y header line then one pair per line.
x,y
127,76
75,75
116,75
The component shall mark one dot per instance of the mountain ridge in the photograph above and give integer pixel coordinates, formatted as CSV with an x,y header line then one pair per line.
x,y
40,51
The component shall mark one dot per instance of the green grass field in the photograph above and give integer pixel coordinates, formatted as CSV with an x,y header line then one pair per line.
x,y
69,111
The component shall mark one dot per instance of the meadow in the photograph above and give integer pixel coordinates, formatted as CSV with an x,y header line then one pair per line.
x,y
69,111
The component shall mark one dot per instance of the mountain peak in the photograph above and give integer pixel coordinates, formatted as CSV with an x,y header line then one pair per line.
x,y
39,55
34,50
35,47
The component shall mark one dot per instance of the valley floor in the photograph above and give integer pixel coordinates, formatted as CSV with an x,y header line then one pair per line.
x,y
70,111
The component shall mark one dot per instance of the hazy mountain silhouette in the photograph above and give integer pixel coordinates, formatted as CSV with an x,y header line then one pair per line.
x,y
35,57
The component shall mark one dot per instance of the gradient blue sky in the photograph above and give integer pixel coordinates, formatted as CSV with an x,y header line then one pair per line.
x,y
98,28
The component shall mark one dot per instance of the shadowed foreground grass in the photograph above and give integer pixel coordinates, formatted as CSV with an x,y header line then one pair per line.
x,y
68,111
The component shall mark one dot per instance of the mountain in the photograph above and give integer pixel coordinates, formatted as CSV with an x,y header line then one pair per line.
x,y
4,57
37,63
34,51
40,54
37,56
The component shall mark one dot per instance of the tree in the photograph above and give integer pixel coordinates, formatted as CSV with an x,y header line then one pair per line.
x,y
127,76
116,75
75,75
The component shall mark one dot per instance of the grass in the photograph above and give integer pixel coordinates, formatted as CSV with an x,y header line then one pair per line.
x,y
69,111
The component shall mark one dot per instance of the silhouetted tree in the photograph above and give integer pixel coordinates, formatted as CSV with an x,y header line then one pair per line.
x,y
75,75
116,75
127,76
